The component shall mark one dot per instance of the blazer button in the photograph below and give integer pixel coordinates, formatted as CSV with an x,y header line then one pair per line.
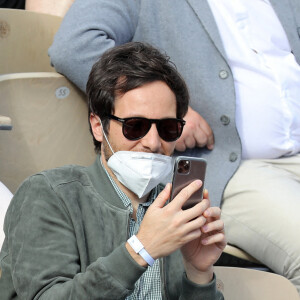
x,y
223,74
225,120
233,157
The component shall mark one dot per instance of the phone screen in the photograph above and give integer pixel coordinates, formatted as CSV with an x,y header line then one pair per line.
x,y
186,170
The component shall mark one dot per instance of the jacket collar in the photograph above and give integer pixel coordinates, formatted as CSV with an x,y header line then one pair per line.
x,y
102,183
206,18
283,9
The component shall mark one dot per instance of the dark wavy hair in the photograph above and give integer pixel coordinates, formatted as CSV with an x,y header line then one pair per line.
x,y
126,67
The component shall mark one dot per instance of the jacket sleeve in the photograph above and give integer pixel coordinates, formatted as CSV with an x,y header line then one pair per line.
x,y
89,28
41,249
191,291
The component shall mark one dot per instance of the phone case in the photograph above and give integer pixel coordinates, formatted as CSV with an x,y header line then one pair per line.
x,y
186,170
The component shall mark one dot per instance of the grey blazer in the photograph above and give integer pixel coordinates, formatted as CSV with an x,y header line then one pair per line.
x,y
186,30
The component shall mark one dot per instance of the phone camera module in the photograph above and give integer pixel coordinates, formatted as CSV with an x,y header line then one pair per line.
x,y
184,167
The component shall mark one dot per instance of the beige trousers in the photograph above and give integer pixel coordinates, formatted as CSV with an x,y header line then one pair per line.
x,y
261,211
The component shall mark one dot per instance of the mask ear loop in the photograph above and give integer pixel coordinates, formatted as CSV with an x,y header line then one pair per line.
x,y
113,152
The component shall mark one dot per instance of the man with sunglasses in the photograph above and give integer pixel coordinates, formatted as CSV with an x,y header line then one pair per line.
x,y
107,231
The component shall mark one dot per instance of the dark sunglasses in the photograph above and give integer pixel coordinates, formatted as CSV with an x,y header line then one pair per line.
x,y
135,128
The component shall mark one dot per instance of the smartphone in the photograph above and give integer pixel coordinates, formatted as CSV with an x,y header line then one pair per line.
x,y
186,170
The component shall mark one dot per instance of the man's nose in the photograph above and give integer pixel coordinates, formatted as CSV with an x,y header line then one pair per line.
x,y
152,140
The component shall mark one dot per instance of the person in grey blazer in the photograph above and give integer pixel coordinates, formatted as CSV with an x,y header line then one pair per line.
x,y
236,57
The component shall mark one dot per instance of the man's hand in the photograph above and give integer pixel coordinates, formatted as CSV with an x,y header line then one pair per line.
x,y
196,133
198,231
166,228
200,254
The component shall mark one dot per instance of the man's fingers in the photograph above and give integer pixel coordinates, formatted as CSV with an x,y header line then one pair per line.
x,y
213,212
196,211
180,145
200,137
195,224
204,133
186,193
208,132
196,132
190,142
217,226
210,142
215,239
163,196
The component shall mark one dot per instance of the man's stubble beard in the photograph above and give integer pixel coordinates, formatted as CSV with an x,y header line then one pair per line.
x,y
106,149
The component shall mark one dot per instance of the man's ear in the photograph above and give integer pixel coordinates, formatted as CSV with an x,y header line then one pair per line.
x,y
96,127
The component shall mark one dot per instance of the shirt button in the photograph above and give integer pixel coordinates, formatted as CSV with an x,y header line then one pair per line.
x,y
225,120
233,157
223,74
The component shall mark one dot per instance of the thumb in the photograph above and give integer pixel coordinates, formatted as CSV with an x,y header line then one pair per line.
x,y
163,196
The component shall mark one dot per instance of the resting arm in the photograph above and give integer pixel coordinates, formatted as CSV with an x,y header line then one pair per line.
x,y
89,28
196,132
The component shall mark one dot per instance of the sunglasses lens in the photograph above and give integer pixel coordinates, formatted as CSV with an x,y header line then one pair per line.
x,y
134,129
170,129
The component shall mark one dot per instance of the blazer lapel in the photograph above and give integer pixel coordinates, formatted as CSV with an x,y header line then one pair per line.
x,y
206,18
284,10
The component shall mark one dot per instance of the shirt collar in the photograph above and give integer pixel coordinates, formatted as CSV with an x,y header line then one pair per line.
x,y
124,198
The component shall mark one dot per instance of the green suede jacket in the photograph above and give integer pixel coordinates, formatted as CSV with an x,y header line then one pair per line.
x,y
66,230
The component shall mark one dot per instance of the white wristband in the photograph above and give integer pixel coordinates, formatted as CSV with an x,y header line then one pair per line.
x,y
138,248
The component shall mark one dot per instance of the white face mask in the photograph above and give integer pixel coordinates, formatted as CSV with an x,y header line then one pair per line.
x,y
140,172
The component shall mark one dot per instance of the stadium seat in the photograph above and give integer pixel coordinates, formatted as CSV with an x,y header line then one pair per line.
x,y
49,119
247,284
25,37
52,7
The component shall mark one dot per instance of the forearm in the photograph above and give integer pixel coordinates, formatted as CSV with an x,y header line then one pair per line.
x,y
112,276
49,258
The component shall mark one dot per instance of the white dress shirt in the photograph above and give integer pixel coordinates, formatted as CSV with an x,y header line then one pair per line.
x,y
266,77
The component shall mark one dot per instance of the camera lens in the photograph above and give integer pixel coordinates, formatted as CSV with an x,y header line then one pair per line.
x,y
187,165
184,167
